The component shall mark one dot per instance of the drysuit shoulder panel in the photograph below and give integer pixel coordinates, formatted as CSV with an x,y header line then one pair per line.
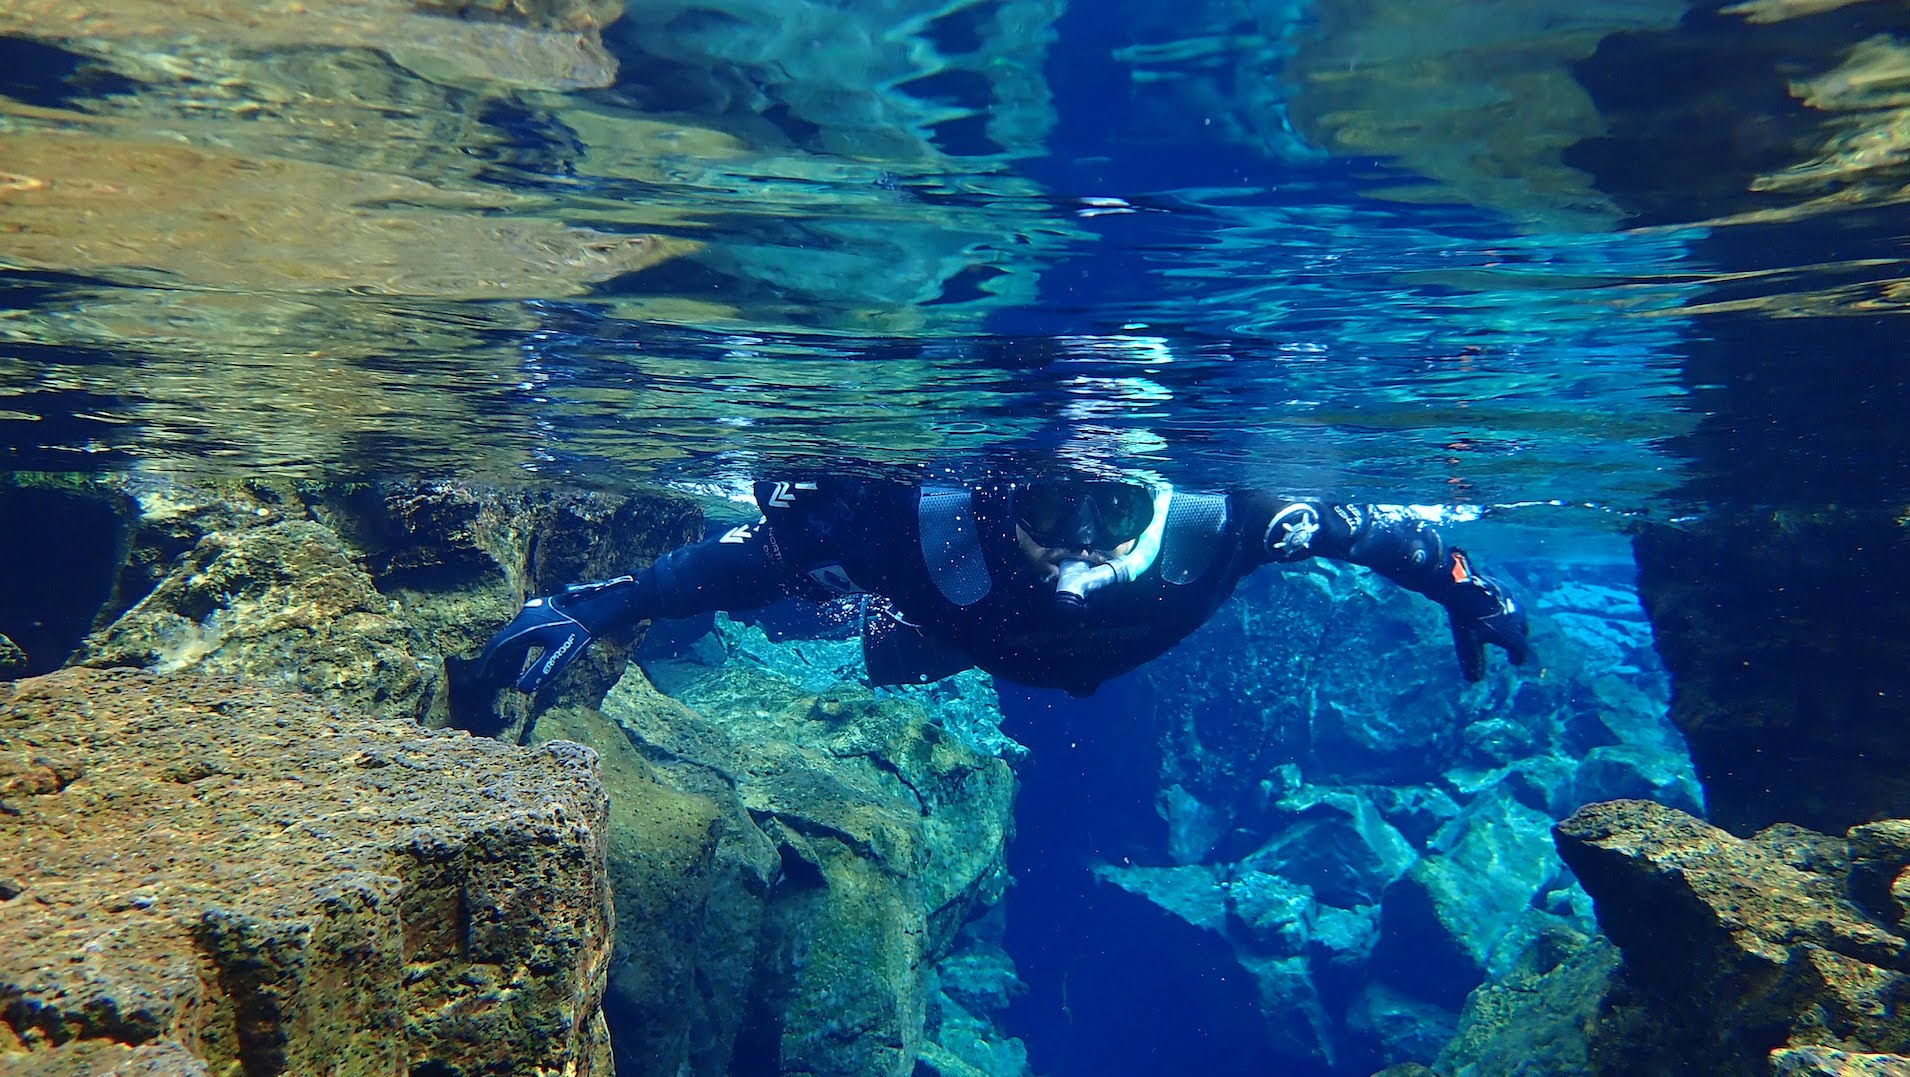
x,y
1196,535
951,545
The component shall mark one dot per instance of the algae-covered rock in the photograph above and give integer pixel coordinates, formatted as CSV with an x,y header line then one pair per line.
x,y
1880,870
1539,1017
459,559
888,835
283,603
692,876
356,592
13,660
91,1058
1829,1062
1733,947
236,873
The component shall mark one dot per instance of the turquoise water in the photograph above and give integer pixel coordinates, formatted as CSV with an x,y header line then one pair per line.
x,y
1558,273
1504,256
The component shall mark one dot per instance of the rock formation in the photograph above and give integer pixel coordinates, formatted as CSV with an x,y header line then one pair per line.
x,y
851,839
1367,838
1738,949
353,593
1781,954
1784,632
795,863
201,874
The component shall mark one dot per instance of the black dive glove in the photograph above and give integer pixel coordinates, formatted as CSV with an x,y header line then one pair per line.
x,y
559,627
1481,611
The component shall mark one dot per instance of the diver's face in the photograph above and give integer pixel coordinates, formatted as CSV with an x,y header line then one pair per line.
x,y
1047,560
1091,522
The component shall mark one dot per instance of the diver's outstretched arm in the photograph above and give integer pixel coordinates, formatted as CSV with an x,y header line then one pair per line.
x,y
1403,548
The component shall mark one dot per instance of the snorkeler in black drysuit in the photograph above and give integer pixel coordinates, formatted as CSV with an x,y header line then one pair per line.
x,y
1054,583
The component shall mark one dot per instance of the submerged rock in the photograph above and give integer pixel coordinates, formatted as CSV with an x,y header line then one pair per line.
x,y
1349,759
692,876
1790,691
1442,920
1734,948
356,592
281,603
1537,1019
1336,842
852,840
192,868
1830,1062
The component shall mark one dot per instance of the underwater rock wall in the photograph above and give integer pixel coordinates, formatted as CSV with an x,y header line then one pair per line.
x,y
852,841
353,593
199,875
1785,633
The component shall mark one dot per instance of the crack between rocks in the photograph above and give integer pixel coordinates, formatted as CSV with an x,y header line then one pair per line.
x,y
884,763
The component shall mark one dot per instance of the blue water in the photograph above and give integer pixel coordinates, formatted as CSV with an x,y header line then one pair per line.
x,y
1575,266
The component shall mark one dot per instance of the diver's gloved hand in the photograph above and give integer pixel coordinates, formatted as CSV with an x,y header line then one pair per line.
x,y
1481,611
558,627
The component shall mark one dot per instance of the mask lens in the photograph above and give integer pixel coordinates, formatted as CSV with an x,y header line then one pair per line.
x,y
1047,512
1099,515
1123,511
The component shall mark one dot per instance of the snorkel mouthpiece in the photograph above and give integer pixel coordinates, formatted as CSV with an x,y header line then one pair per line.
x,y
1076,580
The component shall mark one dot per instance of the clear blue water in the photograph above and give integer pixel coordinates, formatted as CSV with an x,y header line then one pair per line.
x,y
1576,264
1549,252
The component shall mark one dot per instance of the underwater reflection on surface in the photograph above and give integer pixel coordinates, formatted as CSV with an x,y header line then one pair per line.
x,y
1355,248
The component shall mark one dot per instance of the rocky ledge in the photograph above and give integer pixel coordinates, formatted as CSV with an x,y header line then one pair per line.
x,y
201,876
1781,955
1740,955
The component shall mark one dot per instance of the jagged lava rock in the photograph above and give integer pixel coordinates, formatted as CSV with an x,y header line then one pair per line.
x,y
1732,947
284,602
192,868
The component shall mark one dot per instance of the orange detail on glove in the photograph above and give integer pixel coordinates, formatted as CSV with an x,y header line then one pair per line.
x,y
1461,572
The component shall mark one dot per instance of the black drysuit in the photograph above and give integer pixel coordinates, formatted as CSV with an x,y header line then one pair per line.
x,y
966,596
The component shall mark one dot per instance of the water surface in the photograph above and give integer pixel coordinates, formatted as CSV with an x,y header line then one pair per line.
x,y
1508,253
